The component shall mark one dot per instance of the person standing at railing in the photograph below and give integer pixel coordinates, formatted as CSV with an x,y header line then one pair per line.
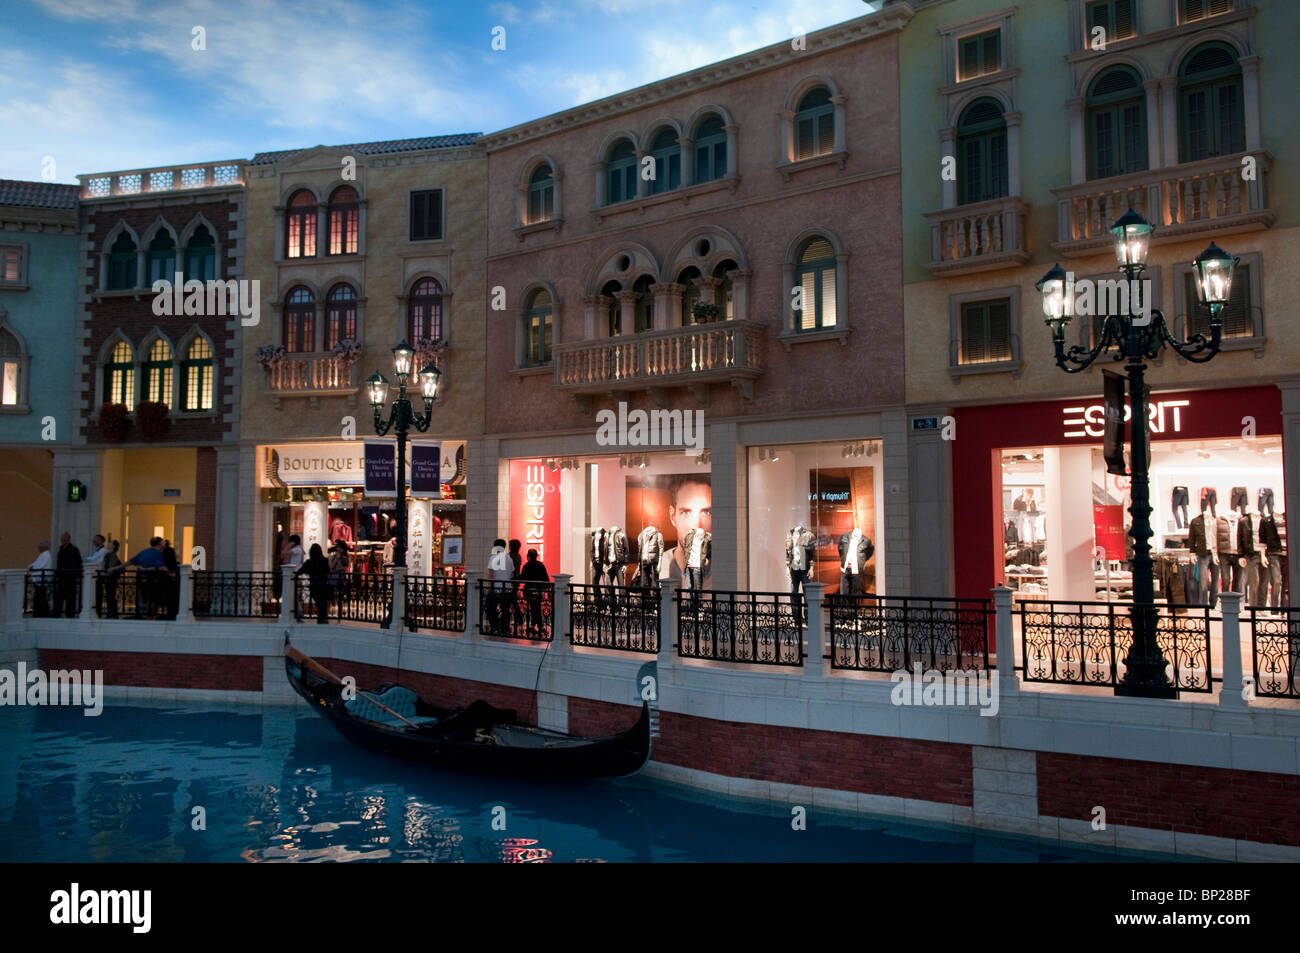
x,y
536,578
172,579
151,566
39,571
517,561
317,568
501,572
66,578
110,569
340,565
96,559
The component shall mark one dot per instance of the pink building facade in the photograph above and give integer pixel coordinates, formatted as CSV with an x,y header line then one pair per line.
x,y
718,248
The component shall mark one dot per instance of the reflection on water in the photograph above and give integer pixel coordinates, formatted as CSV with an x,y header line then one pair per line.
x,y
278,784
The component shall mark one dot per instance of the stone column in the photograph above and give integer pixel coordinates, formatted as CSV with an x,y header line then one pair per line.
x,y
595,312
1230,693
185,610
399,600
740,293
1250,97
708,286
838,103
1013,153
642,183
786,118
229,507
1291,451
1078,141
668,622
287,597
557,212
947,150
280,249
471,604
730,130
814,664
1169,129
561,630
15,581
929,467
1155,152
322,242
687,145
1005,642
729,479
668,305
627,311
88,592
601,170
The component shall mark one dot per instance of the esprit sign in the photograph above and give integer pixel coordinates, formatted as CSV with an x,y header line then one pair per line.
x,y
1165,416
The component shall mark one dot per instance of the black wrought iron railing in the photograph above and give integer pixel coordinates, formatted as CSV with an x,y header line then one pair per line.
x,y
52,592
1275,650
614,618
131,593
236,595
1085,643
516,610
754,628
888,633
350,597
435,602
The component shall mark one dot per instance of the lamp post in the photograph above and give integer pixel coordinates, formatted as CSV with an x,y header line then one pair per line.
x,y
402,418
1136,338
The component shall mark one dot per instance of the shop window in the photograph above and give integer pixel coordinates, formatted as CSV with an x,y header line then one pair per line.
x,y
645,305
814,124
340,315
12,363
201,256
1190,11
119,376
710,150
1211,111
816,281
537,330
541,195
11,265
300,225
986,331
424,312
122,264
426,215
344,220
299,321
980,54
158,373
196,376
982,152
161,260
1115,17
1116,124
622,173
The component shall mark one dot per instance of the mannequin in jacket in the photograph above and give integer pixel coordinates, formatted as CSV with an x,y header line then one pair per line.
x,y
799,553
1271,542
597,560
615,555
649,550
855,549
1204,544
1249,557
698,546
1229,571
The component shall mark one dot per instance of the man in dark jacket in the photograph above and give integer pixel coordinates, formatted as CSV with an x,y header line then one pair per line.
x,y
536,580
67,575
172,581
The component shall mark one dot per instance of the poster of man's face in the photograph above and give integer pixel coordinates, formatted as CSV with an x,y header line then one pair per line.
x,y
674,504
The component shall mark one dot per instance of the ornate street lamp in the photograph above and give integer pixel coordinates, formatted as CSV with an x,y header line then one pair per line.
x,y
1136,339
402,418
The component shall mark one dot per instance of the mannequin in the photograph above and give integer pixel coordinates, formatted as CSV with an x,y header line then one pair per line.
x,y
1274,547
698,545
615,555
597,559
855,550
1229,570
1203,541
1250,559
649,550
799,553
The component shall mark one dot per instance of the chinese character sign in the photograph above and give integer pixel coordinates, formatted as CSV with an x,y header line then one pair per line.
x,y
418,538
535,509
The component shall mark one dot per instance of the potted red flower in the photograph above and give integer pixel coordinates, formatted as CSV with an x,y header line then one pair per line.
x,y
151,416
112,422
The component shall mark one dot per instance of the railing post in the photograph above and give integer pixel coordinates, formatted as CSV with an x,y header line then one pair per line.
x,y
185,610
288,598
15,582
560,621
1230,694
398,618
1005,641
815,620
87,592
471,604
668,621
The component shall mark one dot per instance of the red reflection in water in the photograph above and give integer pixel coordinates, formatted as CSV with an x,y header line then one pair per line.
x,y
520,850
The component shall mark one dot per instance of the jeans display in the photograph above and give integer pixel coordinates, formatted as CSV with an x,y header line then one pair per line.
x,y
1238,498
1210,498
798,582
1179,502
1273,572
1208,569
1255,577
1265,500
851,584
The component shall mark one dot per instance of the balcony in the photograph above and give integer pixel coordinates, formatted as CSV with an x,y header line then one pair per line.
x,y
978,237
1211,196
695,356
311,375
176,178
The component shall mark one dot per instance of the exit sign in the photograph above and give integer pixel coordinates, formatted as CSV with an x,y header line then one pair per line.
x,y
76,491
171,492
925,423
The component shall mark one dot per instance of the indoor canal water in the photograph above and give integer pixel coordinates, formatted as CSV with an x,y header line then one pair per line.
x,y
277,783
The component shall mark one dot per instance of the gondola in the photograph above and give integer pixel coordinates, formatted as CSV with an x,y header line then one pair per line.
x,y
478,737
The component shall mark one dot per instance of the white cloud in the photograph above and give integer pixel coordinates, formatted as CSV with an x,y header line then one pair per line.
x,y
505,12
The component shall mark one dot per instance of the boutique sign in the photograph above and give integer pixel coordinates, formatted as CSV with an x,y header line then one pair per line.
x,y
345,464
1166,416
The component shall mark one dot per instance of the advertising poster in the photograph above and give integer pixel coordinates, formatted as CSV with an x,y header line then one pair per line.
x,y
381,468
535,509
674,504
426,470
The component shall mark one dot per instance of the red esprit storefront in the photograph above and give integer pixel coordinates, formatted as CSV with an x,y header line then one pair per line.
x,y
1033,507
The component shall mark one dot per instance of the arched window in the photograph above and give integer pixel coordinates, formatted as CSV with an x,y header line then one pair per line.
x,y
158,373
724,297
645,305
196,376
299,321
119,377
622,173
424,312
814,124
691,296
123,264
161,260
667,155
614,314
344,221
1117,124
201,256
340,314
300,226
1211,109
541,195
982,152
816,280
537,330
11,368
710,150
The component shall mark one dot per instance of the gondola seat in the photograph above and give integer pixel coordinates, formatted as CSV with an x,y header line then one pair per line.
x,y
399,699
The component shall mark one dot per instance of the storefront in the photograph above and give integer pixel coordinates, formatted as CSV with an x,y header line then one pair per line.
x,y
318,492
1035,508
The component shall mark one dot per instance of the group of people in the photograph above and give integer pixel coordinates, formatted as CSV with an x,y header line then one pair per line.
x,y
507,570
328,578
54,578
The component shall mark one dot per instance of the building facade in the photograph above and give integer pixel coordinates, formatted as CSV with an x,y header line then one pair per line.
x,y
357,248
38,266
1051,121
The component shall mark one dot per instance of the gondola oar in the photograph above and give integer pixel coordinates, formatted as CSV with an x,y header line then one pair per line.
x,y
321,670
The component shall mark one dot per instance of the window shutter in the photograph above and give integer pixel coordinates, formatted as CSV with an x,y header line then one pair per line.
x,y
997,166
992,53
1124,27
419,224
1232,132
974,348
807,318
1195,122
1237,321
828,298
999,331
825,134
804,146
1103,144
970,55
434,213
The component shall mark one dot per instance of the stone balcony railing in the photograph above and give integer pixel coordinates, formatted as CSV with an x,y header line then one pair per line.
x,y
978,237
311,375
1221,196
694,356
175,178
